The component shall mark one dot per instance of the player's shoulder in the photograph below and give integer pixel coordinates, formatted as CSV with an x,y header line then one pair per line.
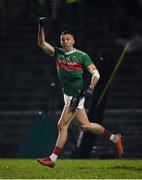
x,y
59,50
81,52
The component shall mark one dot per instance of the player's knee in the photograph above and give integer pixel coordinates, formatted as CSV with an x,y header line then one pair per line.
x,y
61,125
85,127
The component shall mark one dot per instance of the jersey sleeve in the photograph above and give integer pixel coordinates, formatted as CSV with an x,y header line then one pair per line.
x,y
87,60
58,51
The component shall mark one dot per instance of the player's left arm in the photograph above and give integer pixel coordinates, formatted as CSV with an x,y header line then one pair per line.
x,y
89,91
95,76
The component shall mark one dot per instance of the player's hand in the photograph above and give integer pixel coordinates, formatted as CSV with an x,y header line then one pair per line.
x,y
42,21
75,100
88,92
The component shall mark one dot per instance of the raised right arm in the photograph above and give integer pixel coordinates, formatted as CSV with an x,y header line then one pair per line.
x,y
47,48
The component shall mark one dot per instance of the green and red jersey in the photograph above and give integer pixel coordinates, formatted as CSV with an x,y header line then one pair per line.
x,y
70,69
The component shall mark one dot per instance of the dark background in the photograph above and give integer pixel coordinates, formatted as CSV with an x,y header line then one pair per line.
x,y
29,83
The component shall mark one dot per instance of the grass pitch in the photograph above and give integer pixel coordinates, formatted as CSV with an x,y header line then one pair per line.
x,y
71,169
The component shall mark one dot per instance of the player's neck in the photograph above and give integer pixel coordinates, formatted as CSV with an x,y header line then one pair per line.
x,y
69,50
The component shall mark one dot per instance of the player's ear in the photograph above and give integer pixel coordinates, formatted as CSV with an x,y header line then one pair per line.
x,y
73,41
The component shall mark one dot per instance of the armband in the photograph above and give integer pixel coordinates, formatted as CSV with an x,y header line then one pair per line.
x,y
96,74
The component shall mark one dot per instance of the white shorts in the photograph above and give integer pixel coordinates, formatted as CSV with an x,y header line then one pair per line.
x,y
67,100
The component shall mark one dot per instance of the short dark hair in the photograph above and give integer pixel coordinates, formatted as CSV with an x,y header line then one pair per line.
x,y
67,32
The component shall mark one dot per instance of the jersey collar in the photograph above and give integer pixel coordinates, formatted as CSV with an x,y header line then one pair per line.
x,y
70,51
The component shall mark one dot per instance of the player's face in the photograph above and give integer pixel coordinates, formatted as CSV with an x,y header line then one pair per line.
x,y
67,42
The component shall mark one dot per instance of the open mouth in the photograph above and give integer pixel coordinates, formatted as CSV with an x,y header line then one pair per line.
x,y
66,46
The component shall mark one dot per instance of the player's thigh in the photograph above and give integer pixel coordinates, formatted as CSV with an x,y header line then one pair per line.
x,y
66,116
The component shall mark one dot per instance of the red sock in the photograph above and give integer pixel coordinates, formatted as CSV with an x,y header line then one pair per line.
x,y
57,150
106,134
